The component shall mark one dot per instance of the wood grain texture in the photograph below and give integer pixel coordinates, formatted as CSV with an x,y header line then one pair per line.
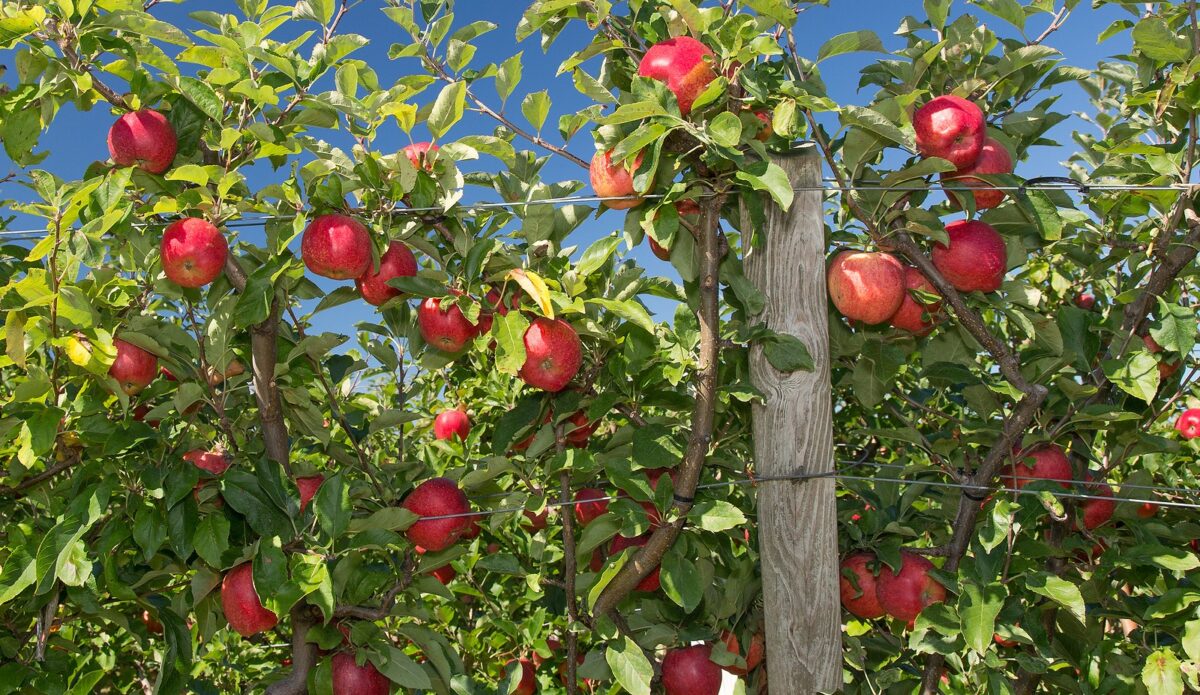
x,y
793,433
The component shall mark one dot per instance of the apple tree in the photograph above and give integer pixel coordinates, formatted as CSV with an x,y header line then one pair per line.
x,y
531,469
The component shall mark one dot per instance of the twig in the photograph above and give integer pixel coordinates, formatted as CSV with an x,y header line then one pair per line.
x,y
63,36
18,491
389,599
568,521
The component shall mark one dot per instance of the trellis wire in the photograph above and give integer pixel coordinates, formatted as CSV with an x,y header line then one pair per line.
x,y
1083,188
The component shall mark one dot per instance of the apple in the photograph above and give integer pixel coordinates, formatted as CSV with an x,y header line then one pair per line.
x,y
143,139
140,412
451,422
1049,463
152,625
397,262
866,286
193,252
445,330
562,672
684,64
167,374
553,354
914,315
473,531
753,656
351,679
308,486
904,594
1085,301
1006,643
528,683
614,180
767,129
1147,510
133,367
619,543
445,574
216,499
241,604
1097,512
437,497
975,260
656,474
950,127
421,154
537,520
215,378
1165,369
337,247
590,503
583,431
215,462
690,671
993,159
859,587
661,253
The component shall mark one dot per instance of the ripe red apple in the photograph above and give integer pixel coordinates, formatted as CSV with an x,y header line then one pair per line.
x,y
690,671
583,431
950,127
537,520
336,247
904,594
528,683
993,159
562,672
767,130
753,656
1165,368
217,500
445,330
167,374
215,462
421,154
451,422
866,286
659,252
445,574
133,367
915,316
1085,301
398,261
975,260
611,180
437,497
152,625
351,679
1147,510
308,486
140,412
684,64
1096,512
590,503
553,354
243,609
143,139
1006,643
619,543
1049,463
656,474
858,590
193,252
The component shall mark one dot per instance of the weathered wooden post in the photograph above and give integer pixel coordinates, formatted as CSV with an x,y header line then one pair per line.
x,y
793,433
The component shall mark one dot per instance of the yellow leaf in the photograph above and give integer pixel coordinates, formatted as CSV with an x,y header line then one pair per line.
x,y
14,337
78,351
535,287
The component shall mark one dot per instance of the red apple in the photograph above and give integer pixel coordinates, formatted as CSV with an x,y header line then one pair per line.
x,y
351,679
1097,512
336,247
143,139
193,252
753,656
659,252
553,354
950,127
216,500
445,574
913,315
308,486
866,286
611,180
993,159
767,130
451,422
690,671
619,543
152,625
904,594
537,520
975,260
133,367
858,590
215,462
421,154
445,330
1147,510
167,374
656,474
241,604
687,207
1085,301
397,262
579,436
590,503
528,683
215,378
1165,368
437,497
684,64
140,412
1006,643
1049,463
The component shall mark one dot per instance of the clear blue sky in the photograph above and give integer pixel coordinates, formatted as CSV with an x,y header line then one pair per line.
x,y
77,139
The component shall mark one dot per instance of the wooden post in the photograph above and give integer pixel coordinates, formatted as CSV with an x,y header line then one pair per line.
x,y
793,433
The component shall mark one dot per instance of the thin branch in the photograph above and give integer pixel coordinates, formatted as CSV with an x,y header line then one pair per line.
x,y
568,521
17,491
304,653
384,609
63,36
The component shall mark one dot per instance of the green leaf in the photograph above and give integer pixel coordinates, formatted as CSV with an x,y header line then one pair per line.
x,y
787,353
20,572
630,310
977,610
1008,10
212,538
1155,38
878,124
242,492
850,42
766,176
1191,640
447,108
508,76
725,129
680,580
536,106
509,331
597,255
202,96
1177,327
1163,674
1135,374
401,669
332,506
1058,590
629,666
716,515
388,518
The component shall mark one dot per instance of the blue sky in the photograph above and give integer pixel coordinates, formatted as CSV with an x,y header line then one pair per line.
x,y
77,139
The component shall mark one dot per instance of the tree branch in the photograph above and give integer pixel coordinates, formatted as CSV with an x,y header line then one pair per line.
x,y
304,653
16,492
568,521
63,36
389,599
